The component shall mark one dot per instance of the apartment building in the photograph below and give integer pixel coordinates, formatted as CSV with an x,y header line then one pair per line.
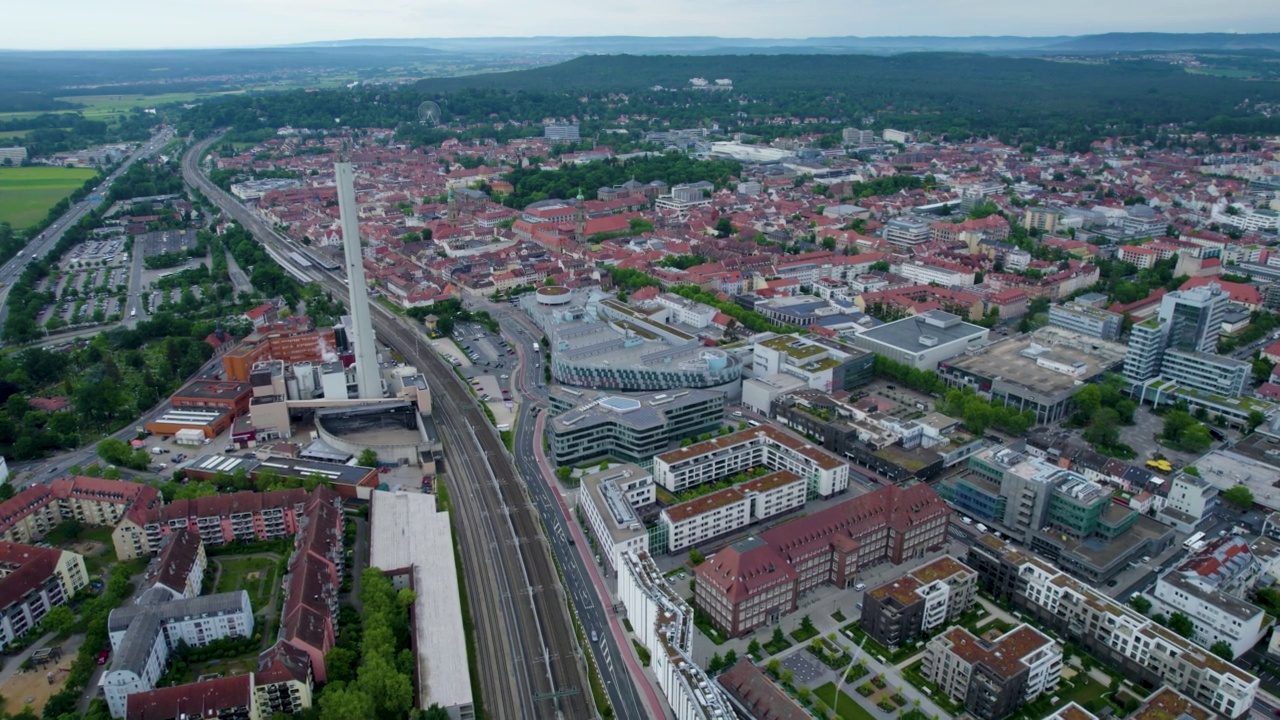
x,y
1149,654
732,509
310,606
223,698
29,515
756,581
928,271
762,446
992,678
220,519
908,232
1216,616
902,610
33,581
663,624
144,635
180,565
608,499
1041,218
283,682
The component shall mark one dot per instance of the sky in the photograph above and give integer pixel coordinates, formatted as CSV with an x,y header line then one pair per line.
x,y
148,24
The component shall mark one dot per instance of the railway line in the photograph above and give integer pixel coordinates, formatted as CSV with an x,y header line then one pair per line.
x,y
527,653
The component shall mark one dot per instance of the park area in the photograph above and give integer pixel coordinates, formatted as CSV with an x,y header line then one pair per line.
x,y
27,193
254,574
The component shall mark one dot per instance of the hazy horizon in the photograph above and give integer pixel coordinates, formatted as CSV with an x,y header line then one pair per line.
x,y
230,24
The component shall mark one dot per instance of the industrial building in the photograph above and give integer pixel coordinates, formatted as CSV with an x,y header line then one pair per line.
x,y
412,543
587,424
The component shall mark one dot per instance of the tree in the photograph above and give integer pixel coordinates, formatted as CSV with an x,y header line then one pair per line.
x,y
341,701
341,664
368,458
715,664
1256,418
804,694
787,677
563,473
777,639
753,647
1140,603
695,557
806,625
1222,649
391,690
1238,495
774,666
730,658
724,227
1181,624
59,619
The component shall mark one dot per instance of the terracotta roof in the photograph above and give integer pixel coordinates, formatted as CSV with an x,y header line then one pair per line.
x,y
1003,655
27,568
756,692
224,505
176,560
283,662
193,700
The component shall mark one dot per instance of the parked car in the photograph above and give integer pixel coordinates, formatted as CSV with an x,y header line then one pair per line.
x,y
103,655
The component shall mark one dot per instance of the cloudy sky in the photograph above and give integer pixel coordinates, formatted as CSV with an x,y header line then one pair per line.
x,y
138,24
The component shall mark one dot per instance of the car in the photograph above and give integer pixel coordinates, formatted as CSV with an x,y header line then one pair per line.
x,y
384,470
505,376
1112,583
859,587
103,655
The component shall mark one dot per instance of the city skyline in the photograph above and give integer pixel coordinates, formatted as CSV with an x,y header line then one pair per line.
x,y
151,24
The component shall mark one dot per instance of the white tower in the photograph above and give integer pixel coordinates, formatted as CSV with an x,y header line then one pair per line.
x,y
368,375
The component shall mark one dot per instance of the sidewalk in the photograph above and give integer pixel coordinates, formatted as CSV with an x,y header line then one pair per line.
x,y
657,708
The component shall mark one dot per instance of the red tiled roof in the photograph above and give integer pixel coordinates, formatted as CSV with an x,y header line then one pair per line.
x,y
27,568
193,700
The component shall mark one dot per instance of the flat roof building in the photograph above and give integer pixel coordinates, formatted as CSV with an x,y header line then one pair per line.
x,y
588,424
409,534
1087,320
763,446
609,499
924,340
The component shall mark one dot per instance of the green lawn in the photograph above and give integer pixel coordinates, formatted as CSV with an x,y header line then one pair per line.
x,y
11,134
255,574
849,709
99,107
27,193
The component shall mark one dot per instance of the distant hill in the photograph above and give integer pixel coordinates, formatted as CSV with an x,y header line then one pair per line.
x,y
877,45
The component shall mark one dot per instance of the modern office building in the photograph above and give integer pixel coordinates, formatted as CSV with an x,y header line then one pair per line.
x,y
992,678
597,342
822,364
609,500
924,340
908,232
1146,349
763,446
1216,616
900,611
587,425
1058,513
1148,654
754,582
566,132
1087,320
731,509
663,624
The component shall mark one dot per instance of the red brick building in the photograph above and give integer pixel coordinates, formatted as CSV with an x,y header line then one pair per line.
x,y
292,340
756,581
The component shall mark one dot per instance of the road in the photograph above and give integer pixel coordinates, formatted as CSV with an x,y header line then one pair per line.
x,y
45,241
591,602
527,652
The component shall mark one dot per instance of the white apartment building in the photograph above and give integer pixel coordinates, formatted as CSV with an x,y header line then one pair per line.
x,y
144,634
925,273
731,509
765,446
1192,495
663,624
608,500
897,136
1068,605
685,311
1217,616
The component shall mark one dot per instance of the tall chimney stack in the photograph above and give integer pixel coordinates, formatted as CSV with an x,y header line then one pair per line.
x,y
368,374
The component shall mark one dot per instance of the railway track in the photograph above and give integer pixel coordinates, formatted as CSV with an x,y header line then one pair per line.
x,y
527,653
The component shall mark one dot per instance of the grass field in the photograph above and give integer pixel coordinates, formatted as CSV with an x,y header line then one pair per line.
x,y
27,193
10,134
255,574
98,107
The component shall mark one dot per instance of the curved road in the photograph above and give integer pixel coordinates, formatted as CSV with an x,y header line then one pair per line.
x,y
527,653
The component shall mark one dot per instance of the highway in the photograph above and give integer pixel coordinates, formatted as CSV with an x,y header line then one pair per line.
x,y
527,653
45,241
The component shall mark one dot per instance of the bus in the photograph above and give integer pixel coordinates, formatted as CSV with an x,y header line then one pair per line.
x,y
1190,542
